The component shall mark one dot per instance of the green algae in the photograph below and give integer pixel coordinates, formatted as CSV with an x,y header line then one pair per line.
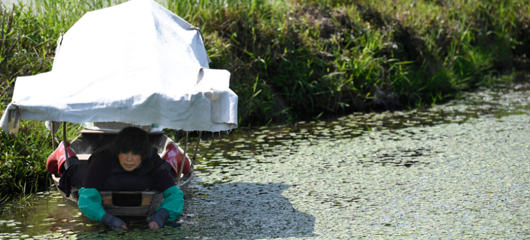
x,y
452,171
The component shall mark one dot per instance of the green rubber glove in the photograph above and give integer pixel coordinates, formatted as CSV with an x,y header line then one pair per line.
x,y
90,203
173,202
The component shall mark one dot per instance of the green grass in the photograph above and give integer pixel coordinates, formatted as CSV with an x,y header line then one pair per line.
x,y
23,158
295,60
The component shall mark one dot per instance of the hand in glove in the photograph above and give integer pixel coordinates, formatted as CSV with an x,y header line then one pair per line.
x,y
158,219
113,222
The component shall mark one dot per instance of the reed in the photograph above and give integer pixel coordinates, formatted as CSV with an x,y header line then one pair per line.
x,y
23,158
297,59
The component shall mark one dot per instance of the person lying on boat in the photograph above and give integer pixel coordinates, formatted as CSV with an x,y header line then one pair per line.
x,y
129,164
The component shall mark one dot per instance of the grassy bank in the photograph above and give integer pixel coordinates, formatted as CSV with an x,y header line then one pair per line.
x,y
307,58
294,60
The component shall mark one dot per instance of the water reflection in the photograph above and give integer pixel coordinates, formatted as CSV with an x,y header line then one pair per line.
x,y
48,212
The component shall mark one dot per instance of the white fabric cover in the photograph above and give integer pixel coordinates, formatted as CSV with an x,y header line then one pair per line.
x,y
136,63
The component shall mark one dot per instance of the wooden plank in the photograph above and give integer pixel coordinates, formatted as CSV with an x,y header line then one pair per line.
x,y
133,212
147,197
106,200
146,200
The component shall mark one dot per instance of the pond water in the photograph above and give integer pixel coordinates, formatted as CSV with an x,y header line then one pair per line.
x,y
453,170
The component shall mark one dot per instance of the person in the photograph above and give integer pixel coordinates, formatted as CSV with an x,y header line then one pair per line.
x,y
129,164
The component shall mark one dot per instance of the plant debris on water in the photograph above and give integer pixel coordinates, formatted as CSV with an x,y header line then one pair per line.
x,y
290,60
454,170
451,171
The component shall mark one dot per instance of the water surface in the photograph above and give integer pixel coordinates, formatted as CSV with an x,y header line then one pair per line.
x,y
455,170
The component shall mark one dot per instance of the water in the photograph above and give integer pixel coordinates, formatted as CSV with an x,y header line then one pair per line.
x,y
457,169
46,212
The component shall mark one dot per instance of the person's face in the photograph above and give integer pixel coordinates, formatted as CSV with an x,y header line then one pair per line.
x,y
129,161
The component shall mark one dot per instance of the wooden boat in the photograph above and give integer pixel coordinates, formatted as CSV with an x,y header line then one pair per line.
x,y
122,203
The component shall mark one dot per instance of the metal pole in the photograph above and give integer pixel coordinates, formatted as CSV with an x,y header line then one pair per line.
x,y
197,147
53,135
183,159
67,162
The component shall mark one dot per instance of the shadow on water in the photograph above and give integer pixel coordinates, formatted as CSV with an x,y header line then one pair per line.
x,y
243,210
230,210
226,202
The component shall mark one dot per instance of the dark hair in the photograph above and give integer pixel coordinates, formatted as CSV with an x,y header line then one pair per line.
x,y
133,139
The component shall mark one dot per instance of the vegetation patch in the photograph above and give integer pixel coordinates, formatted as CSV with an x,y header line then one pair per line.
x,y
378,172
293,60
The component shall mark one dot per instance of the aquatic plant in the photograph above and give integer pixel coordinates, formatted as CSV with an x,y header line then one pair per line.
x,y
299,59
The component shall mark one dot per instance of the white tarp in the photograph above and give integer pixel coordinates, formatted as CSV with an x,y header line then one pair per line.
x,y
135,63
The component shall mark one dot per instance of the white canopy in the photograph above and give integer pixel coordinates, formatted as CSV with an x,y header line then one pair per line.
x,y
135,63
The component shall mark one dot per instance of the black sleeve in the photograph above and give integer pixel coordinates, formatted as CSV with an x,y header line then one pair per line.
x,y
97,172
163,177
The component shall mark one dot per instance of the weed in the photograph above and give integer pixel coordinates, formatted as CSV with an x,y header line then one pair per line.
x,y
293,60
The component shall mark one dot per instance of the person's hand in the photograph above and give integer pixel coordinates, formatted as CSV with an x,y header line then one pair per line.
x,y
113,222
153,225
158,218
